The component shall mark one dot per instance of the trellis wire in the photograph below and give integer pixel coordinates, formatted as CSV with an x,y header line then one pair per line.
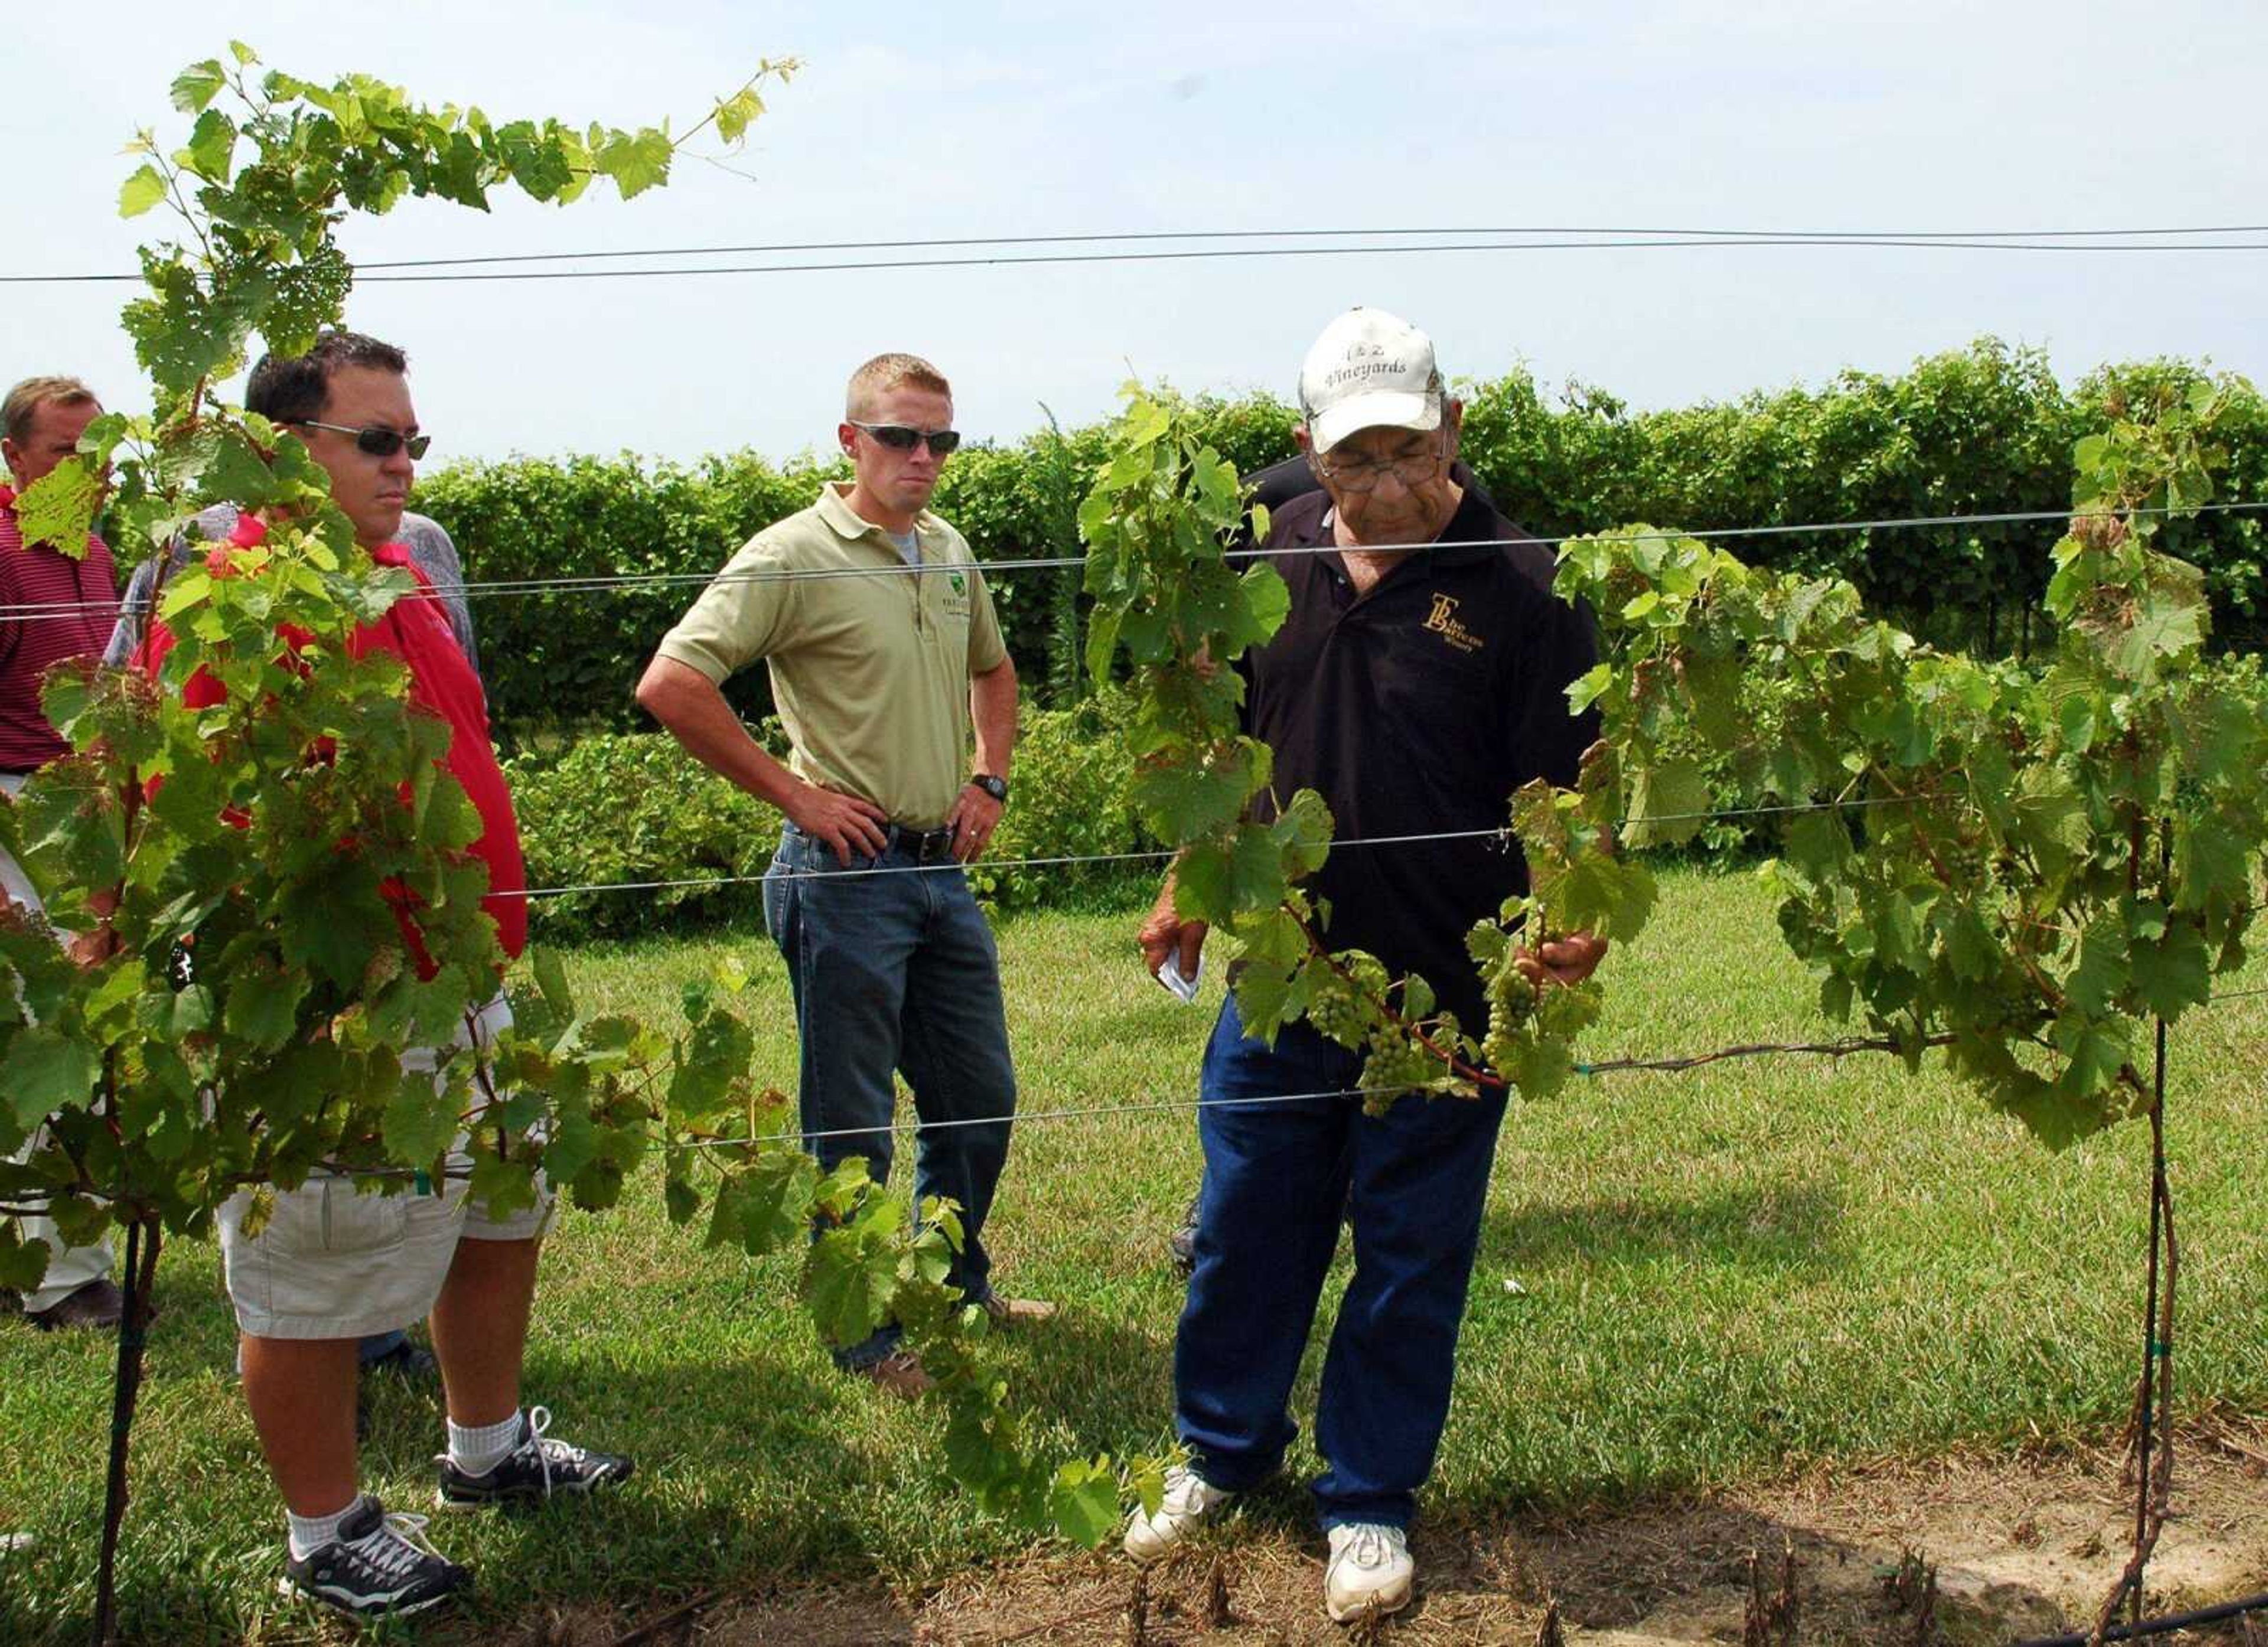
x,y
1501,833
599,584
1845,1047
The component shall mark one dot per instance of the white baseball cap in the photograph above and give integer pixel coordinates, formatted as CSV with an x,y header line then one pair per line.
x,y
1369,370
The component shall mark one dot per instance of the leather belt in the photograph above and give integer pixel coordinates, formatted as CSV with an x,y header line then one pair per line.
x,y
924,846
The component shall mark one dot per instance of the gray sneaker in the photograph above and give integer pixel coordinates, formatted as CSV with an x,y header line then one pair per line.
x,y
538,1468
377,1564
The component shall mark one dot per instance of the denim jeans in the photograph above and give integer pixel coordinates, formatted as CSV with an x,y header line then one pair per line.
x,y
1412,1184
379,1346
897,972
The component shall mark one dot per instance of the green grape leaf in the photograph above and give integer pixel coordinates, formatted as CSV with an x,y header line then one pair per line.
x,y
764,1206
140,191
197,85
1539,1069
551,978
58,508
2098,1050
212,144
506,1187
45,1071
1303,835
2095,983
572,1145
1600,893
1215,882
23,1264
262,1009
850,1282
736,114
2212,864
1184,799
1669,802
1267,602
2173,972
420,1123
637,161
681,1199
1083,1503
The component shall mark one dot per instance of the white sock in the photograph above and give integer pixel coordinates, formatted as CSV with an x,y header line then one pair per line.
x,y
310,1534
479,1450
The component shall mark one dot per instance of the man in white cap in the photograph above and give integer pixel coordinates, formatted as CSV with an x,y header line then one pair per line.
x,y
1418,680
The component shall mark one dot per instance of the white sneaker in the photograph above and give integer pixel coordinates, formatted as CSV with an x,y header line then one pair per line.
x,y
1189,1498
1370,1572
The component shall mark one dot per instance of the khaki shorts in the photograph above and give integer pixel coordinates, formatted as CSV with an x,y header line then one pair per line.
x,y
334,1262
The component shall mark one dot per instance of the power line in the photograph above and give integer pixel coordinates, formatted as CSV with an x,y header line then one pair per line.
x,y
493,267
597,583
782,249
1225,254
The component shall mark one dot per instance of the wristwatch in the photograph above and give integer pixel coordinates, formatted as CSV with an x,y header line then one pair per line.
x,y
996,787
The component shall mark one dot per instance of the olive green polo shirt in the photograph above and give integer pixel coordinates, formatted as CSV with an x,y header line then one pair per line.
x,y
870,660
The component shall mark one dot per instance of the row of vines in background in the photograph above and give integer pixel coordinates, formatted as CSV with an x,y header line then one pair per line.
x,y
1929,442
1987,429
672,822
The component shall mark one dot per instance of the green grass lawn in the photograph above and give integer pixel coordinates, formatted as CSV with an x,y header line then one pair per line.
x,y
1720,1275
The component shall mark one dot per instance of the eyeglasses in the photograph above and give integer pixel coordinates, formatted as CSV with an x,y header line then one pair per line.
x,y
1364,477
378,440
901,437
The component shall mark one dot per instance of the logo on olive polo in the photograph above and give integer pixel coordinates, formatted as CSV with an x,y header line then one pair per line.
x,y
1442,621
959,587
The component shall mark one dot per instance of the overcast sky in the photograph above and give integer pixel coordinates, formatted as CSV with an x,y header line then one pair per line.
x,y
971,119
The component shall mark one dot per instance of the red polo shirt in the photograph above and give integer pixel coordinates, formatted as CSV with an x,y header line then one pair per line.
x,y
441,682
85,593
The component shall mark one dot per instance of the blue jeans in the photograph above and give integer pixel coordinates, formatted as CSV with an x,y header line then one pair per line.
x,y
1412,1183
897,972
377,1346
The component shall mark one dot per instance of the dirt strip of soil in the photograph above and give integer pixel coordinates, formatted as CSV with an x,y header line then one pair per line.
x,y
1971,1549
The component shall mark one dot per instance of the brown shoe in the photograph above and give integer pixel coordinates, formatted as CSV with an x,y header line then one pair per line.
x,y
902,1374
1006,1312
98,1304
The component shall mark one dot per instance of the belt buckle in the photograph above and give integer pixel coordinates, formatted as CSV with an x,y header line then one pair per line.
x,y
924,844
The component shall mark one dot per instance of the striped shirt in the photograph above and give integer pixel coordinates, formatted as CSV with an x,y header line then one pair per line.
x,y
85,595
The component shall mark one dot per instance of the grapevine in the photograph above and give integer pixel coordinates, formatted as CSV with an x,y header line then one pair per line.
x,y
248,1026
2029,867
2006,892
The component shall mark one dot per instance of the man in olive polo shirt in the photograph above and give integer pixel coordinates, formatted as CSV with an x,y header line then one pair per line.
x,y
883,649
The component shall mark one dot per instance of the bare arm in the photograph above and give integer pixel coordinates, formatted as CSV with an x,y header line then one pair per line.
x,y
694,711
992,710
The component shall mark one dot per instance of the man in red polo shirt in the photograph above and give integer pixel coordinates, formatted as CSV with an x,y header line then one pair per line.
x,y
43,419
333,1266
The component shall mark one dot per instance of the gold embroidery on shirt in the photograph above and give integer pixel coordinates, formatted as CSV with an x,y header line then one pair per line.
x,y
1442,621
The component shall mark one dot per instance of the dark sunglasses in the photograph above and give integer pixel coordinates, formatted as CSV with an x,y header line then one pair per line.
x,y
899,437
377,440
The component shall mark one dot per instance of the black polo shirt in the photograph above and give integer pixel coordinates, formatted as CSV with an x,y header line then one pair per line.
x,y
1419,708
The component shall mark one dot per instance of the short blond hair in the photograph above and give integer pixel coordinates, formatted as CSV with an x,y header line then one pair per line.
x,y
885,372
25,401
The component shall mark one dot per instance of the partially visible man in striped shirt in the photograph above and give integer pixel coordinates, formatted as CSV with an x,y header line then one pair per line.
x,y
42,419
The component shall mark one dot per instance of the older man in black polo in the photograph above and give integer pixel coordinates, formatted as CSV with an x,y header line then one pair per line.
x,y
1418,680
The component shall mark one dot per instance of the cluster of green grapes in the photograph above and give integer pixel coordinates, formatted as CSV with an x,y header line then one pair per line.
x,y
1531,1030
1395,1064
1343,1001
